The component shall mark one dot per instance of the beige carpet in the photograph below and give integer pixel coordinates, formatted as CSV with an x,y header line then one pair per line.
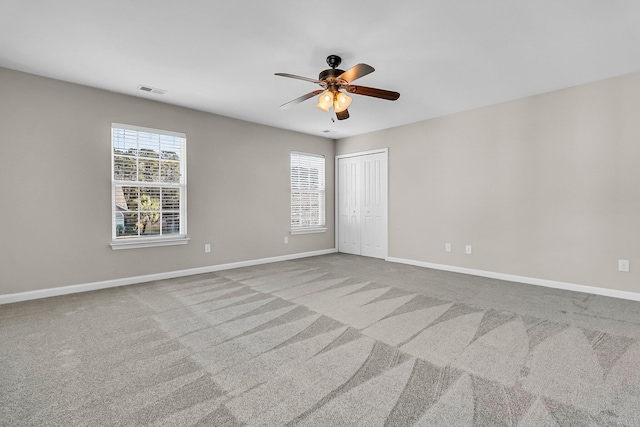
x,y
335,340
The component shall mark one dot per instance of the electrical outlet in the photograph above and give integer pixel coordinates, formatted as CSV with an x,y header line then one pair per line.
x,y
447,247
623,265
467,249
207,248
286,240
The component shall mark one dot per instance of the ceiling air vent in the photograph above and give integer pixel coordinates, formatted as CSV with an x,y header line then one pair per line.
x,y
152,90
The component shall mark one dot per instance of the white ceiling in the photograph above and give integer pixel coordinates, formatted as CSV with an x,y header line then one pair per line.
x,y
443,56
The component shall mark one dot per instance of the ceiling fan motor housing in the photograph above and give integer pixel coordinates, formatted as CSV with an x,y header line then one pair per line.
x,y
330,73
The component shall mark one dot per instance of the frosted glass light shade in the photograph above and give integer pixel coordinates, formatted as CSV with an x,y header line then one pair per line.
x,y
341,102
325,101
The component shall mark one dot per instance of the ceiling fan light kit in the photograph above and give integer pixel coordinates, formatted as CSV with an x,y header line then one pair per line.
x,y
334,80
338,100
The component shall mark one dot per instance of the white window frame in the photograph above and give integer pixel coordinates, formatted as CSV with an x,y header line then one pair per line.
x,y
133,242
318,228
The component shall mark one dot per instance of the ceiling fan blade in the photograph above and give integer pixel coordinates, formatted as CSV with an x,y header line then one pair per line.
x,y
356,72
293,76
301,98
343,115
371,91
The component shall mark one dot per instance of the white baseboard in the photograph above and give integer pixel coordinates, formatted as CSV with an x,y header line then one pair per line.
x,y
65,290
523,279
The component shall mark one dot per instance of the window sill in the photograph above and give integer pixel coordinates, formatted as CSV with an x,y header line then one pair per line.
x,y
309,230
137,243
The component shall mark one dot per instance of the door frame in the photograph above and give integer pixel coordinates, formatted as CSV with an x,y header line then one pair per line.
x,y
384,151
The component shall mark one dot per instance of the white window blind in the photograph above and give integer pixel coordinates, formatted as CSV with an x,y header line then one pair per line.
x,y
307,192
148,184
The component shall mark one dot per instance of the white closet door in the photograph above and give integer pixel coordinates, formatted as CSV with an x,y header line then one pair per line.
x,y
374,206
349,205
362,205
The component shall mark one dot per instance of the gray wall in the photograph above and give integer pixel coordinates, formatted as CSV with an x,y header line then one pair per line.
x,y
546,187
56,194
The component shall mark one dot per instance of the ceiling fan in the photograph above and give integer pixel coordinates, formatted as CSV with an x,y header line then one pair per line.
x,y
333,81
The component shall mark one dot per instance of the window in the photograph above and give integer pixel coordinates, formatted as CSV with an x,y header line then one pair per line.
x,y
148,186
307,193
